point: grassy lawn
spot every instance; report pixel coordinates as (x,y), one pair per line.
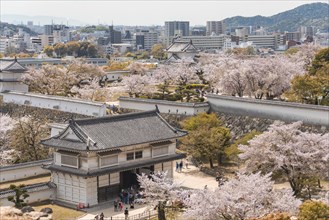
(27,181)
(59,212)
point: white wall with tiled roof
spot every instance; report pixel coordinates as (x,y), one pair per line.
(277,110)
(22,171)
(168,107)
(77,106)
(35,195)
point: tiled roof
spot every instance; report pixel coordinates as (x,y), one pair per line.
(117,168)
(181,46)
(24,165)
(10,65)
(110,133)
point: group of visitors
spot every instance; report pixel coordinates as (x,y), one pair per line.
(127,196)
(179,166)
(99,217)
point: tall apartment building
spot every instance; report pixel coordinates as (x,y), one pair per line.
(49,28)
(241,32)
(115,36)
(140,41)
(60,32)
(307,31)
(5,43)
(295,36)
(46,40)
(215,28)
(175,28)
(146,39)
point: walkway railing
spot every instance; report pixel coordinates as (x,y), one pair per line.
(141,216)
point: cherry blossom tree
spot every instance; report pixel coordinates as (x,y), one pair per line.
(247,196)
(270,77)
(185,73)
(135,84)
(305,54)
(54,80)
(258,77)
(137,68)
(284,148)
(91,91)
(180,73)
(25,139)
(159,190)
(6,124)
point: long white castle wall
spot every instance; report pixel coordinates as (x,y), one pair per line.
(34,196)
(309,114)
(77,106)
(23,170)
(168,107)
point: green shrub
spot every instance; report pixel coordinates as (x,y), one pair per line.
(313,210)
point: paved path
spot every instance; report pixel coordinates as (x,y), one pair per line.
(108,210)
(194,179)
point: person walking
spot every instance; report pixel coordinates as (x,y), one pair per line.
(181,166)
(115,205)
(126,213)
(120,206)
(101,216)
(177,166)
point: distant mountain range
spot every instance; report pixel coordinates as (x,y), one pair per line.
(15,28)
(39,20)
(315,14)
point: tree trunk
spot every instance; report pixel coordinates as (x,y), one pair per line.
(219,160)
(161,211)
(211,163)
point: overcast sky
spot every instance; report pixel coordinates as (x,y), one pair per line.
(148,12)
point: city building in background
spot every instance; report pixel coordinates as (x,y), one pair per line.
(215,27)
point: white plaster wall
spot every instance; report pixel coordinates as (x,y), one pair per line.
(21,173)
(114,178)
(318,115)
(200,109)
(52,102)
(91,191)
(114,76)
(122,157)
(163,108)
(17,86)
(103,180)
(158,167)
(70,188)
(168,166)
(147,152)
(92,162)
(83,163)
(172,148)
(186,55)
(35,196)
(55,130)
(57,159)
